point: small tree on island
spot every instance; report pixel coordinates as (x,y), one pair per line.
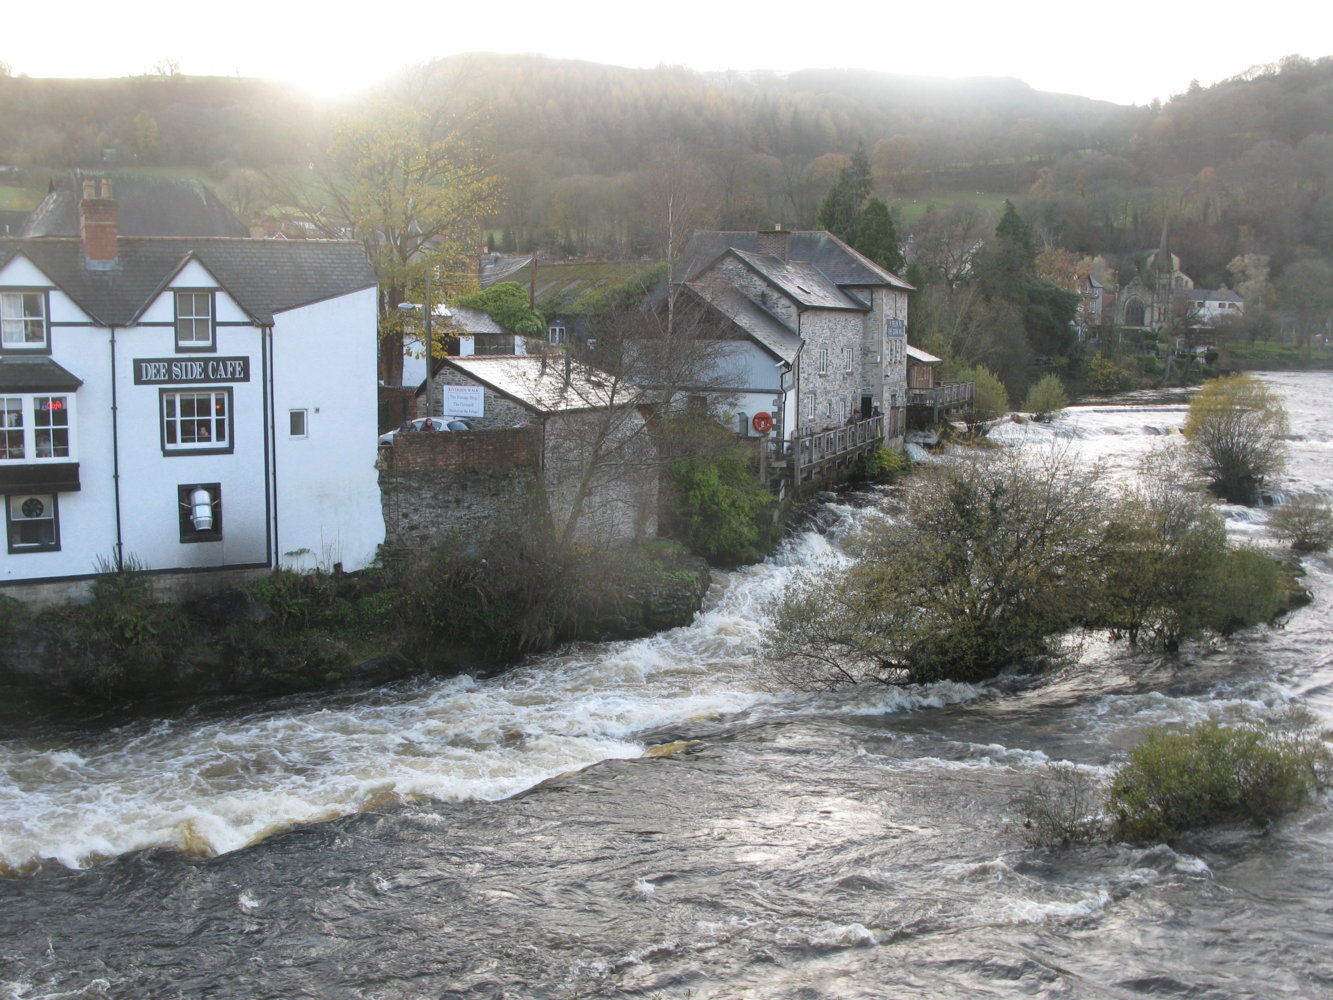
(1046,398)
(1236,427)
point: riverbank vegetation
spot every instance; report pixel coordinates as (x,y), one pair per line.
(474,605)
(1181,781)
(998,560)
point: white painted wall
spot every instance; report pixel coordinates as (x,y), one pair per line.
(328,498)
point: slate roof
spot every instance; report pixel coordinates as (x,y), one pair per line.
(471,320)
(835,259)
(12,223)
(35,375)
(1208,295)
(801,281)
(538,383)
(149,206)
(775,336)
(264,276)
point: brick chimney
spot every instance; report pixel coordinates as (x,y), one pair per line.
(775,242)
(99,225)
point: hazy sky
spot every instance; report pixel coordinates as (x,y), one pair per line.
(1129,52)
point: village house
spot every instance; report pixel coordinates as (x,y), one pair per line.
(815,342)
(199,405)
(551,439)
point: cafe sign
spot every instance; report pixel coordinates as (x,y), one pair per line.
(194,371)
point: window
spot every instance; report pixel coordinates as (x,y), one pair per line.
(33,523)
(194,321)
(296,423)
(200,511)
(828,409)
(196,421)
(847,360)
(823,361)
(34,428)
(809,406)
(555,333)
(23,320)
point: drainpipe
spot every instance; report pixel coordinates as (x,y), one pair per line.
(115,459)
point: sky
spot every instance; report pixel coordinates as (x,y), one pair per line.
(1128,52)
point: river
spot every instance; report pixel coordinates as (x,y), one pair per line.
(516,838)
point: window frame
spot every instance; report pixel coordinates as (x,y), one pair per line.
(24,347)
(25,549)
(305,423)
(194,448)
(823,359)
(30,429)
(194,345)
(848,359)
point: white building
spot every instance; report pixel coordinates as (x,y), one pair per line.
(187,404)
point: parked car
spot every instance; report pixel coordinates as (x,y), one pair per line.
(437,423)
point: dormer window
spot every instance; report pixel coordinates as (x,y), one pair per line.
(194,321)
(23,321)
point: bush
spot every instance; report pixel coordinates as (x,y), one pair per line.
(1236,427)
(1063,807)
(717,506)
(1306,524)
(989,562)
(884,466)
(1046,398)
(1104,375)
(1175,782)
(990,399)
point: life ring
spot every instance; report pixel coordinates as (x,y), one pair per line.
(762,423)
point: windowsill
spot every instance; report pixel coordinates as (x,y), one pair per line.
(172,452)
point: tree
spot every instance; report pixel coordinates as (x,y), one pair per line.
(840,212)
(1236,428)
(877,238)
(1046,398)
(506,302)
(990,399)
(1306,524)
(410,187)
(986,566)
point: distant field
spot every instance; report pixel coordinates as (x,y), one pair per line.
(913,208)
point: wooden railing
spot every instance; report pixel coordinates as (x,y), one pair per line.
(812,454)
(949,394)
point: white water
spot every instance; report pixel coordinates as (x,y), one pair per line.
(212,786)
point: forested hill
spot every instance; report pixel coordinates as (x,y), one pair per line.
(580,146)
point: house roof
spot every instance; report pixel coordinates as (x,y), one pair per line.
(35,375)
(1208,295)
(470,320)
(801,281)
(771,333)
(264,276)
(149,206)
(835,259)
(921,357)
(544,385)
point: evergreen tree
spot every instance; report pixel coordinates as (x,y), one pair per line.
(877,238)
(840,213)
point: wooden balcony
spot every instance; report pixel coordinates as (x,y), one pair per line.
(827,453)
(926,407)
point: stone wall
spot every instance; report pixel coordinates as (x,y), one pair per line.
(458,484)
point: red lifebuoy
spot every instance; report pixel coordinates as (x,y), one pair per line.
(762,423)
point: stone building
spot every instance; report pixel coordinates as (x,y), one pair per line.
(554,441)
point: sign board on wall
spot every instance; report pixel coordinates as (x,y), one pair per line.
(177,371)
(464,401)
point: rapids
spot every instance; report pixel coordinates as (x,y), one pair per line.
(511,837)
